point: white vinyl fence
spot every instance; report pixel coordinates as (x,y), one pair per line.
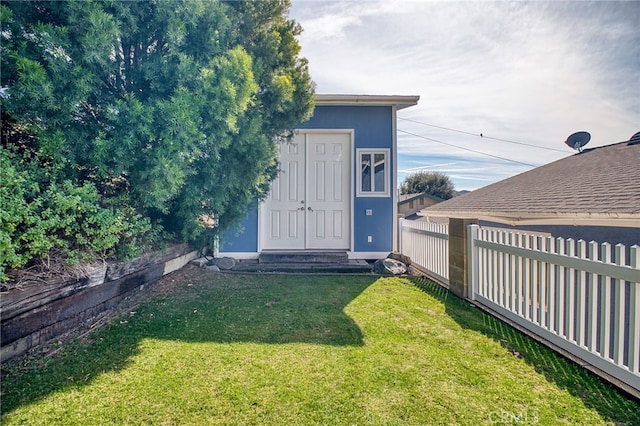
(427,244)
(583,297)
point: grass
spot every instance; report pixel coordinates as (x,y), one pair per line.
(335,350)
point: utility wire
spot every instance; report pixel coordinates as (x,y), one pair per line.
(483,136)
(466,149)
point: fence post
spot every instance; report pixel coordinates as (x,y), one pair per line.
(400,247)
(472,236)
(458,256)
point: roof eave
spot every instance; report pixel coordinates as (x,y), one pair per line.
(399,101)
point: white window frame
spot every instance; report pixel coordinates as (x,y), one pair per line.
(387,162)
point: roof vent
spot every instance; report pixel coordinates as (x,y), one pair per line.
(635,139)
(578,140)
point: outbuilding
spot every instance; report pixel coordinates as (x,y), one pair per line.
(337,187)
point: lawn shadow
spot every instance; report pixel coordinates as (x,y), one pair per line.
(262,309)
(220,308)
(597,394)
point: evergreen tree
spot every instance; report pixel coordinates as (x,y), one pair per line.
(170,107)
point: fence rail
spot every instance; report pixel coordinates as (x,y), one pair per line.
(583,297)
(427,244)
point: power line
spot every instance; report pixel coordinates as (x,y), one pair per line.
(483,136)
(467,149)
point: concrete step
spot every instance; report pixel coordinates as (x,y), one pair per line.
(348,267)
(303,257)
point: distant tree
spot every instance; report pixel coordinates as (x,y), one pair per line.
(432,183)
(170,107)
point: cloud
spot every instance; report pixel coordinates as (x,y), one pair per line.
(330,20)
(532,72)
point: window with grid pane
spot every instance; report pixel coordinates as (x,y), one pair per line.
(373,176)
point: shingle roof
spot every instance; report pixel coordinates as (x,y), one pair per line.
(598,184)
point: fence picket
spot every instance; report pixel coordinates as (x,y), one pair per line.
(482,265)
(572,294)
(551,287)
(526,283)
(561,290)
(634,315)
(494,289)
(605,304)
(534,280)
(512,277)
(592,310)
(472,235)
(620,303)
(499,272)
(519,274)
(581,292)
(543,284)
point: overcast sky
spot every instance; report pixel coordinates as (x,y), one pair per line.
(526,72)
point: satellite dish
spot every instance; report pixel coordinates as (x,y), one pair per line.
(578,140)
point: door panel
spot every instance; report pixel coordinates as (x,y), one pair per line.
(284,208)
(328,191)
(309,203)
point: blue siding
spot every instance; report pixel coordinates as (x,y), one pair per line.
(379,225)
(244,238)
(372,124)
(373,128)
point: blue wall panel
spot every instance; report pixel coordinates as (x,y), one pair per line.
(372,124)
(243,238)
(379,225)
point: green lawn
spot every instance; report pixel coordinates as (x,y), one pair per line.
(295,350)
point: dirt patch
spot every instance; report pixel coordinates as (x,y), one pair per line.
(180,280)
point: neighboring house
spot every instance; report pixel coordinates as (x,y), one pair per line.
(592,195)
(410,204)
(336,190)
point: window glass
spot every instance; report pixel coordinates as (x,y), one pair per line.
(379,182)
(366,173)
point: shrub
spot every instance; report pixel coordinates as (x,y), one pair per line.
(40,216)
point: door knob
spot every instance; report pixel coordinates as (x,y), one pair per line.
(310,209)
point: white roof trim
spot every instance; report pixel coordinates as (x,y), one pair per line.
(630,220)
(400,101)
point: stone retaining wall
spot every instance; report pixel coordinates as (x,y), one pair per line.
(39,313)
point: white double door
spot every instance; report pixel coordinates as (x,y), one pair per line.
(309,203)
